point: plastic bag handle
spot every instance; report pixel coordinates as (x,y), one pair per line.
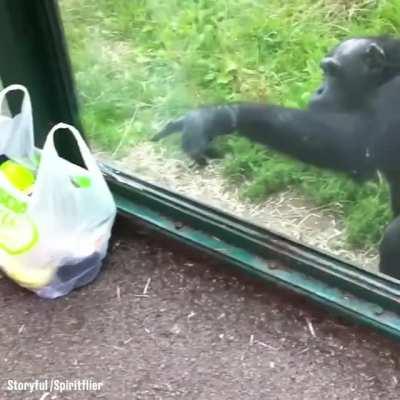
(90,162)
(17,141)
(56,202)
(26,106)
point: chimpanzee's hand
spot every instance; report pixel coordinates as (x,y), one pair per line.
(199,127)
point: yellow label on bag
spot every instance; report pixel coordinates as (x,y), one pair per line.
(28,277)
(19,176)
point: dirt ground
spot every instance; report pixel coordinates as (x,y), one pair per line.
(163,322)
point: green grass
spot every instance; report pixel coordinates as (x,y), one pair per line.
(139,63)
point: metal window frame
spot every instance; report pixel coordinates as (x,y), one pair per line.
(35,54)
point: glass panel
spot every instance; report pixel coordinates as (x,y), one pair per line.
(139,64)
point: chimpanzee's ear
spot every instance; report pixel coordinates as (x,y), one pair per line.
(375,56)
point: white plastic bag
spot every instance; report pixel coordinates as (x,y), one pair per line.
(54,240)
(16,133)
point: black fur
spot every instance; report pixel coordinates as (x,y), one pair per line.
(389,250)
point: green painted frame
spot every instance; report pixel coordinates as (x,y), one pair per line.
(40,61)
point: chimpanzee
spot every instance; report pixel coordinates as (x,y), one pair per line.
(351,125)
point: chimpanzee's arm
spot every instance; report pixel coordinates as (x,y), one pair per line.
(326,139)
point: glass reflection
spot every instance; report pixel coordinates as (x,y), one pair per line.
(139,65)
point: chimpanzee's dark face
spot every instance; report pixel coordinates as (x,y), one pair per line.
(354,62)
(351,71)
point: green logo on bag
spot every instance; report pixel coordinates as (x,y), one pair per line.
(18,234)
(9,201)
(82,181)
